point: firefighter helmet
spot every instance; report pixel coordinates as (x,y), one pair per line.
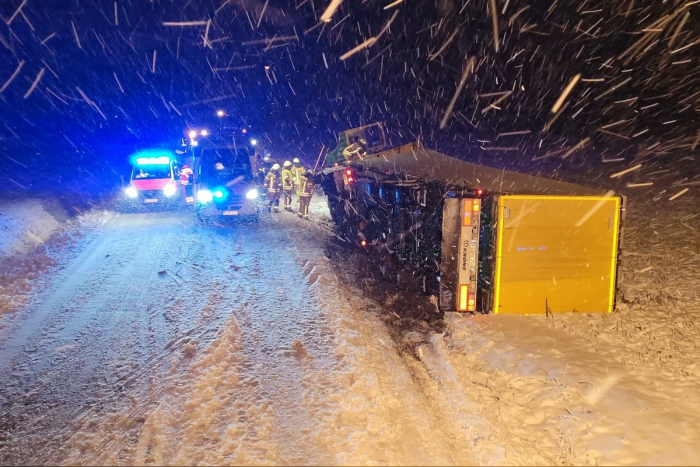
(275,167)
(296,161)
(287,164)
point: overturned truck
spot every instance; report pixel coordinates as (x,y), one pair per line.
(481,239)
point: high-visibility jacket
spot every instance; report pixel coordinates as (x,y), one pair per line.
(306,186)
(287,179)
(354,151)
(185,174)
(297,172)
(273,181)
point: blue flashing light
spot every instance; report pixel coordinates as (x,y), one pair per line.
(152,157)
(218,194)
(163,160)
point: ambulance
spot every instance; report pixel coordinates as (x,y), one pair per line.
(154,179)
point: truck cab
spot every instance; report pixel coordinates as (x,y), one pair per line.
(371,138)
(154,179)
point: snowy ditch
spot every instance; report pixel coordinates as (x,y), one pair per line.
(573,388)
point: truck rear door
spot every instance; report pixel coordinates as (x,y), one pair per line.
(556,253)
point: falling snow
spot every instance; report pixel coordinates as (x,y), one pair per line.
(132,338)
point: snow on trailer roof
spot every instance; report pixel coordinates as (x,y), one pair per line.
(417,161)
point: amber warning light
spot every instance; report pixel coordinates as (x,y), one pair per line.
(466,213)
(463,295)
(467,299)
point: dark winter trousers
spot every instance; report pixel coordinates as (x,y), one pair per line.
(288,197)
(304,202)
(273,198)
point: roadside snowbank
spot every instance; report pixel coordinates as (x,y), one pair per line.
(35,236)
(28,223)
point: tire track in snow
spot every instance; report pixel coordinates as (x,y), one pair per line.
(99,350)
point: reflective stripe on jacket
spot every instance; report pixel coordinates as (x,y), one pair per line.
(306,186)
(287,179)
(273,181)
(297,172)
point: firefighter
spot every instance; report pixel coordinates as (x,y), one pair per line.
(273,184)
(267,163)
(306,191)
(262,166)
(186,176)
(357,150)
(287,185)
(297,172)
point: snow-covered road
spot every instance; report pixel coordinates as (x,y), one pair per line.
(164,340)
(153,338)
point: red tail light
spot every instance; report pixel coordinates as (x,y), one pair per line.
(363,243)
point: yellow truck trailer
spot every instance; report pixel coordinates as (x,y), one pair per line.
(482,239)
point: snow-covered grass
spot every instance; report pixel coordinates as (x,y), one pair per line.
(562,393)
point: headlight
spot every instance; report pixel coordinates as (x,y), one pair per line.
(131,192)
(252,194)
(169,190)
(218,194)
(204,196)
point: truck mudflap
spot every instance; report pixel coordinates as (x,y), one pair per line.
(459,264)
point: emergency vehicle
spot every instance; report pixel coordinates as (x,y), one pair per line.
(154,179)
(224,183)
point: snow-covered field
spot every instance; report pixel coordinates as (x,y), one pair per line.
(154,339)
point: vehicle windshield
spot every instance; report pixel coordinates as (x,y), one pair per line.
(150,172)
(224,165)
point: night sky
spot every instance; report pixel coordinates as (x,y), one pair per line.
(87,82)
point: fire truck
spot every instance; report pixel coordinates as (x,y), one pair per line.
(481,239)
(224,169)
